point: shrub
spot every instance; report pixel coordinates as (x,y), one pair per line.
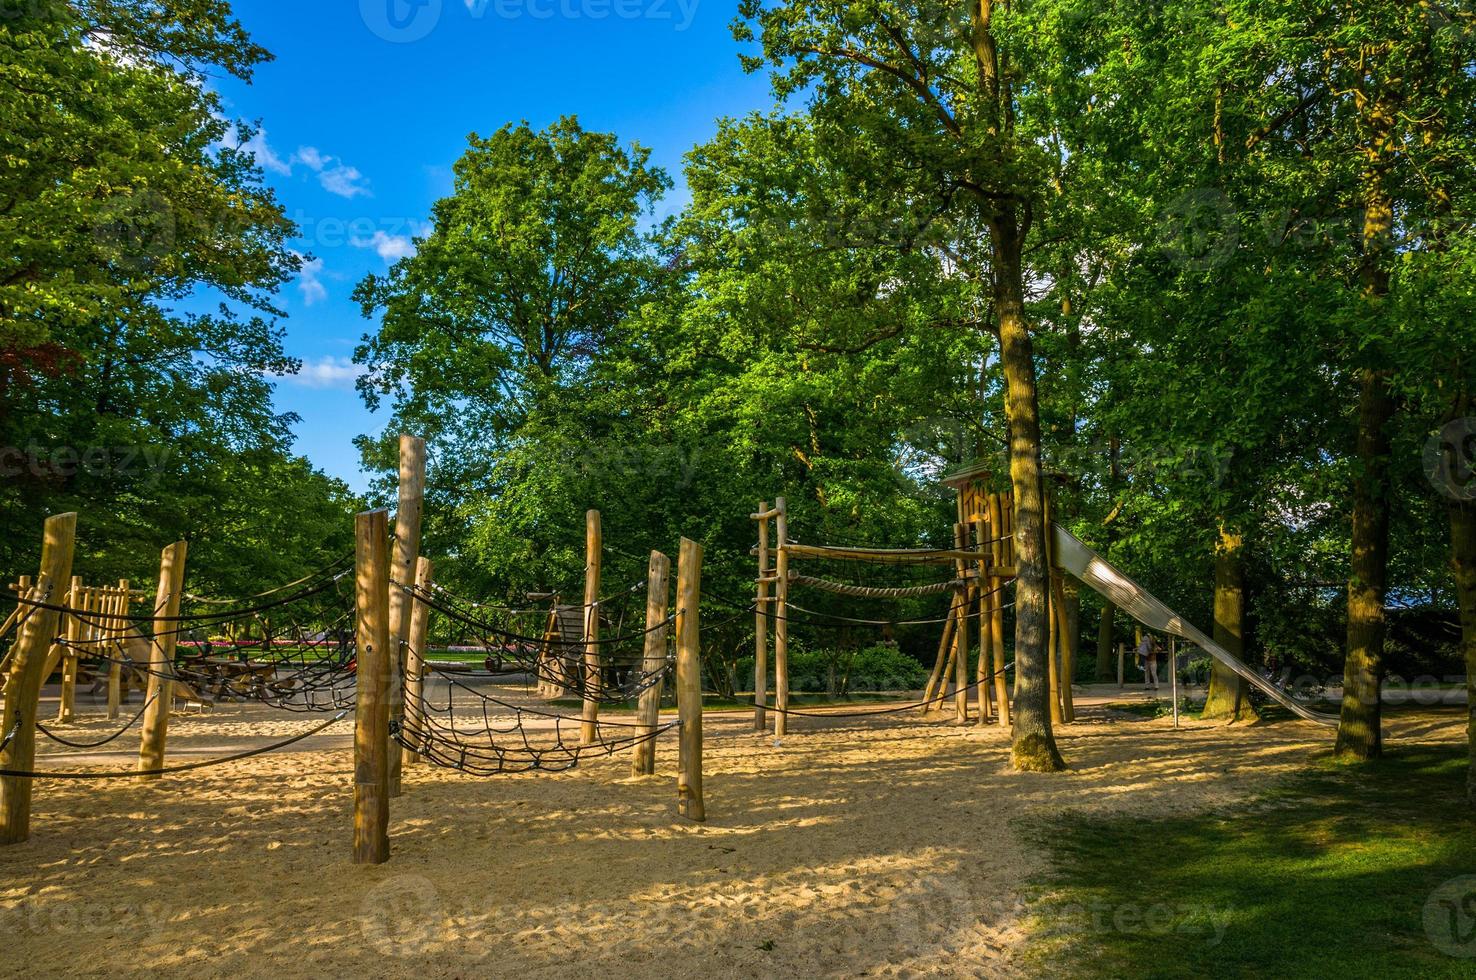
(876,668)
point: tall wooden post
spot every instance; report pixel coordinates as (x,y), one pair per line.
(996,610)
(415,658)
(23,689)
(761,626)
(658,589)
(689,680)
(161,658)
(1174,675)
(1121,661)
(594,549)
(76,633)
(1066,646)
(371,717)
(781,620)
(117,630)
(984,690)
(961,636)
(402,573)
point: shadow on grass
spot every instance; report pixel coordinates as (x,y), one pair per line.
(1328,876)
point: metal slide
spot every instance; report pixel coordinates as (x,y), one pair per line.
(1127,595)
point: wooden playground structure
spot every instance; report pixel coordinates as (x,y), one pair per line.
(90,632)
(984,564)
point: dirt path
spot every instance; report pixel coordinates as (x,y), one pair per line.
(872,847)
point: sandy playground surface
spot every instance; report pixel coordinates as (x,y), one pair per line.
(873,847)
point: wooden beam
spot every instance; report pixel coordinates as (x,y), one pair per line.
(79,599)
(781,622)
(371,716)
(115,645)
(594,550)
(658,590)
(23,691)
(415,657)
(160,697)
(689,680)
(402,573)
(961,637)
(761,623)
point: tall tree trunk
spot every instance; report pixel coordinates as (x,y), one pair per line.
(1463,563)
(1360,733)
(1034,745)
(1106,648)
(1229,693)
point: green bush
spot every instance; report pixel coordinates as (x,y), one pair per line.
(876,668)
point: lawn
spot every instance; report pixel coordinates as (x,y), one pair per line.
(1336,874)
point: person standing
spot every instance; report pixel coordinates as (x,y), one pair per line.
(1148,657)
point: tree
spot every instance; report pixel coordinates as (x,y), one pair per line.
(490,337)
(949,90)
(125,192)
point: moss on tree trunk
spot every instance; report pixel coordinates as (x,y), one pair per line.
(1228,699)
(1034,747)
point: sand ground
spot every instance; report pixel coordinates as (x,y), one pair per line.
(886,846)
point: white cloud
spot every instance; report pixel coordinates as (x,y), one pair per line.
(336,176)
(327,372)
(391,248)
(310,281)
(259,147)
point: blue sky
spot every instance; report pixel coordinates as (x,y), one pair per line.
(369,102)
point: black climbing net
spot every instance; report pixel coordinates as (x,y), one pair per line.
(452,719)
(290,648)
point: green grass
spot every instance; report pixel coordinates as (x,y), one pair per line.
(1329,876)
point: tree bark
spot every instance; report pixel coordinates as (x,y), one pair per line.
(1034,744)
(1360,734)
(1228,699)
(1463,563)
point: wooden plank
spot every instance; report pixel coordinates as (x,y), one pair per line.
(160,697)
(23,691)
(371,715)
(658,588)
